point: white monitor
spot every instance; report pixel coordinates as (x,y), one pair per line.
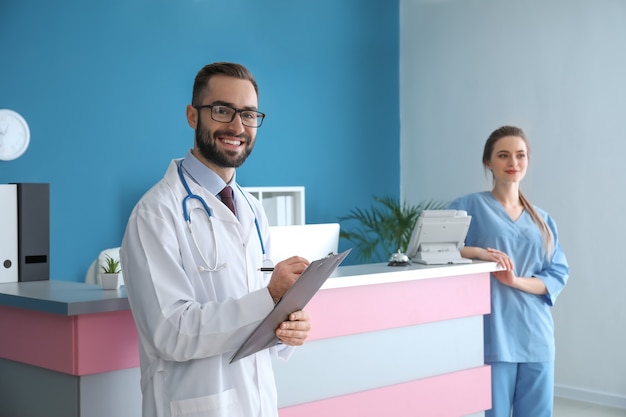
(438,237)
(311,241)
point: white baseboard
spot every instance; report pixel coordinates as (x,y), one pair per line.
(590,396)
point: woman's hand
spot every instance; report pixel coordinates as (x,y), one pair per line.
(500,257)
(505,277)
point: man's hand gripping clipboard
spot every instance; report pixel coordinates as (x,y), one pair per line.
(296,298)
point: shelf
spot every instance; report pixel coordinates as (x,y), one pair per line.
(284,206)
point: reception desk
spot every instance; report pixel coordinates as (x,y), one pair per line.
(401,341)
(67,349)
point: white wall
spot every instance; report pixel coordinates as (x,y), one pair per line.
(557,69)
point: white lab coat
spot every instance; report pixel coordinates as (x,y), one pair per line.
(190,322)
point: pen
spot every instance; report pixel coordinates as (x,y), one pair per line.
(266,269)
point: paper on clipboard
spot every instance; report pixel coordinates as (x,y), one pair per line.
(294,299)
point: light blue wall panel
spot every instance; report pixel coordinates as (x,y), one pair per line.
(556,68)
(123,394)
(343,365)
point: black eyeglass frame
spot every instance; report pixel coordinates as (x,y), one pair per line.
(259,115)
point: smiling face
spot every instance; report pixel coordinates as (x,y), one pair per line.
(509,159)
(224,146)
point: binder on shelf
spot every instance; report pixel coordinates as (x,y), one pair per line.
(8,237)
(284,206)
(33,231)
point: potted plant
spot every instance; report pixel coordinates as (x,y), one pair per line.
(111,278)
(385,228)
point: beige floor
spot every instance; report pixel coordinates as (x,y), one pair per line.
(571,408)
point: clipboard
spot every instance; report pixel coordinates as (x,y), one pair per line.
(295,298)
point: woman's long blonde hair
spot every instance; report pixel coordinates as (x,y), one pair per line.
(496,135)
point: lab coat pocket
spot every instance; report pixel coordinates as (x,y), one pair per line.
(224,404)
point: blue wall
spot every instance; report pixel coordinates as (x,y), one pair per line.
(103,85)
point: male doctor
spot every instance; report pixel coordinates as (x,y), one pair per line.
(190,266)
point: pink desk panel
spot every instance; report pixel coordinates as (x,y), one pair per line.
(451,395)
(76,345)
(352,310)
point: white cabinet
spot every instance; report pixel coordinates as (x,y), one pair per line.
(284,206)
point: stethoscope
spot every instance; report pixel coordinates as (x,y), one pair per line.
(187,216)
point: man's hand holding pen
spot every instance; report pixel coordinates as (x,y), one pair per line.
(294,331)
(284,275)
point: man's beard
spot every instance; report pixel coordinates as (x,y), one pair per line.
(206,141)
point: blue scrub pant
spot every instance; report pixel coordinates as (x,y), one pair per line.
(521,389)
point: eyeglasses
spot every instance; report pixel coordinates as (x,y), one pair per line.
(226,114)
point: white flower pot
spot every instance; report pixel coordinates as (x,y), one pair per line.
(111,281)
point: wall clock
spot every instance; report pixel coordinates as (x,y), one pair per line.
(14,135)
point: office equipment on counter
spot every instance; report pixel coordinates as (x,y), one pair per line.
(311,241)
(438,237)
(25,211)
(399,259)
(294,299)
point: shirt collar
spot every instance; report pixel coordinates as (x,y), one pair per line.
(203,175)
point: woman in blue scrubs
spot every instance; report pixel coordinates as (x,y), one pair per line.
(506,228)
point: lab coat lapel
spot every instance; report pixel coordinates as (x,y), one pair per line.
(245,215)
(247,229)
(220,211)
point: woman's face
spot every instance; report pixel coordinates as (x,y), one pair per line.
(509,159)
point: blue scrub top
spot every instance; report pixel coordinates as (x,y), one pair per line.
(520,326)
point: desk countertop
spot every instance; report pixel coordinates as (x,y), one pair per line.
(62,297)
(381,273)
(74,298)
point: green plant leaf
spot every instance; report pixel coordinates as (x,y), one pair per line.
(111,265)
(384,228)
